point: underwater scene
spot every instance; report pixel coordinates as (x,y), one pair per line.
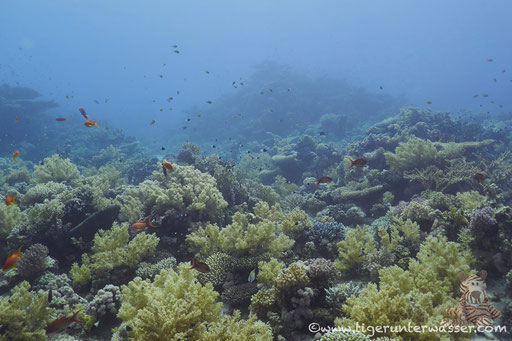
(255,170)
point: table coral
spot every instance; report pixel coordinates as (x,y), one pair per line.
(176,307)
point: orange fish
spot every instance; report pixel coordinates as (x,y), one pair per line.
(11,260)
(60,119)
(82,111)
(15,155)
(199,266)
(17,118)
(90,124)
(479,177)
(59,325)
(323,180)
(167,165)
(141,226)
(361,162)
(9,200)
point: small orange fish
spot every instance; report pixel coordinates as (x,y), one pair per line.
(90,124)
(15,155)
(167,165)
(199,266)
(17,118)
(11,260)
(9,200)
(59,325)
(141,226)
(361,162)
(323,180)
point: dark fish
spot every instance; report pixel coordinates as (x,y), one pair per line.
(163,148)
(50,296)
(82,111)
(479,177)
(199,266)
(209,102)
(164,170)
(264,150)
(358,162)
(322,133)
(176,51)
(323,180)
(380,87)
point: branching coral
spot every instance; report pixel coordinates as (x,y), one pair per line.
(418,296)
(24,314)
(34,261)
(176,307)
(413,153)
(57,170)
(185,191)
(113,248)
(358,243)
(10,216)
(267,231)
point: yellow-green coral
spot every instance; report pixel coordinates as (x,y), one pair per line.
(453,150)
(47,211)
(57,170)
(175,306)
(251,234)
(24,314)
(284,187)
(185,190)
(268,271)
(400,232)
(418,296)
(81,274)
(293,275)
(413,153)
(10,216)
(113,248)
(358,243)
(470,200)
(102,184)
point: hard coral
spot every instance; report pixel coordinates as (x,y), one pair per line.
(57,170)
(34,261)
(414,153)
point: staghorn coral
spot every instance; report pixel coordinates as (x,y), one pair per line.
(57,170)
(413,153)
(175,306)
(24,314)
(268,230)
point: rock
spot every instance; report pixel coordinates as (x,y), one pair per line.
(98,220)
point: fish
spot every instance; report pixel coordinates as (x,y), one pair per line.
(323,180)
(96,101)
(10,200)
(209,102)
(198,115)
(207,72)
(60,324)
(12,259)
(161,76)
(485,95)
(479,177)
(17,118)
(199,266)
(503,71)
(106,100)
(475,96)
(380,87)
(177,92)
(60,119)
(321,133)
(490,59)
(174,46)
(169,99)
(494,79)
(15,155)
(252,276)
(141,226)
(176,51)
(90,124)
(163,148)
(153,122)
(428,102)
(361,162)
(167,165)
(82,111)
